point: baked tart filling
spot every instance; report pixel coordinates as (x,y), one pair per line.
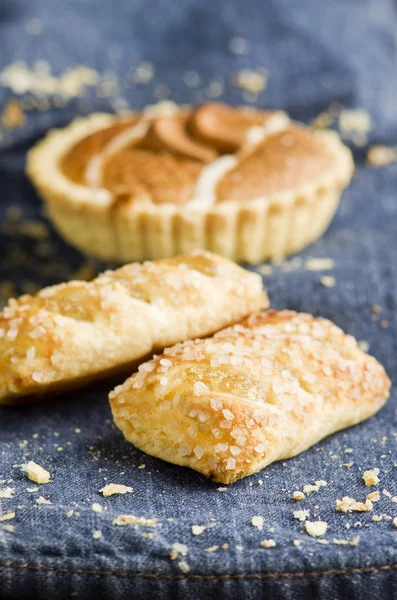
(246,183)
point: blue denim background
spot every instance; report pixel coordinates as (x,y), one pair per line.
(316,52)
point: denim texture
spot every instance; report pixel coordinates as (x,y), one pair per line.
(316,52)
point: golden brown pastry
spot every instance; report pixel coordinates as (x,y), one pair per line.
(74,332)
(261,391)
(248,184)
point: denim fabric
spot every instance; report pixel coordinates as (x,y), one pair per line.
(316,52)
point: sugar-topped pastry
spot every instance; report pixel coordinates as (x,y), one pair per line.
(248,184)
(263,390)
(75,332)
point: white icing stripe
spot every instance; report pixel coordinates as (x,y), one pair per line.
(258,133)
(204,195)
(93,171)
(205,191)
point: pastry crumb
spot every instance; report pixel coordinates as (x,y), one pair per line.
(198,529)
(316,528)
(253,82)
(211,549)
(298,495)
(324,542)
(268,543)
(178,549)
(373,496)
(355,121)
(6,493)
(41,500)
(348,465)
(36,473)
(319,264)
(97,534)
(184,567)
(395,521)
(115,488)
(96,507)
(348,504)
(70,513)
(257,521)
(370,477)
(297,542)
(301,515)
(8,516)
(328,281)
(122,520)
(380,155)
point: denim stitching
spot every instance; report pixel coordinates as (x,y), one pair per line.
(352,571)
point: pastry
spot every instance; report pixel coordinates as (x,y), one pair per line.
(263,390)
(71,333)
(247,184)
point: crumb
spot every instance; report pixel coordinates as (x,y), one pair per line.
(41,500)
(395,521)
(198,529)
(122,520)
(316,528)
(348,465)
(377,517)
(144,73)
(363,345)
(373,496)
(240,548)
(260,482)
(211,549)
(384,324)
(348,450)
(328,281)
(257,522)
(13,115)
(142,466)
(319,264)
(268,543)
(222,489)
(184,567)
(297,542)
(8,516)
(371,477)
(309,488)
(355,121)
(178,549)
(96,507)
(298,495)
(36,473)
(380,155)
(253,82)
(115,488)
(70,513)
(386,493)
(348,504)
(77,430)
(377,309)
(225,546)
(97,534)
(324,542)
(301,515)
(7,492)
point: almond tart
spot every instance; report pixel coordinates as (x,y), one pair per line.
(247,184)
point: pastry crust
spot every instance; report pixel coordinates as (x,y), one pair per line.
(261,391)
(74,332)
(269,225)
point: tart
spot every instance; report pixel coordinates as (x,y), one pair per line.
(247,184)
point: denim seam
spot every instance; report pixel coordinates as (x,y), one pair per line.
(237,576)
